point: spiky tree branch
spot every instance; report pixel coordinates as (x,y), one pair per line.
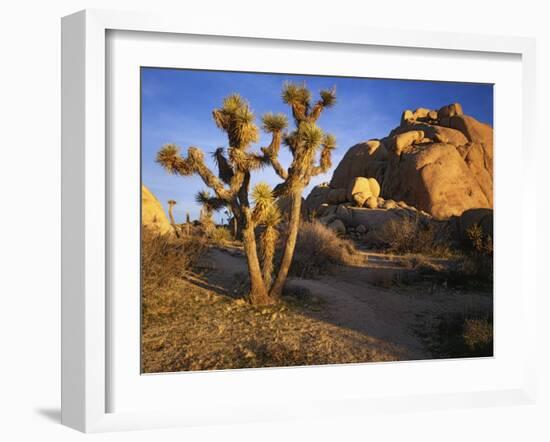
(328,99)
(211,203)
(170,158)
(225,171)
(325,159)
(274,124)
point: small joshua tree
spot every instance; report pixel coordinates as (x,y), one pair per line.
(231,185)
(188,223)
(209,205)
(171,204)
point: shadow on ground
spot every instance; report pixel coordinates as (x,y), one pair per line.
(50,414)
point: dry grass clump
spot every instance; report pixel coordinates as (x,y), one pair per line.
(220,236)
(474,267)
(478,334)
(165,259)
(319,248)
(416,235)
(197,329)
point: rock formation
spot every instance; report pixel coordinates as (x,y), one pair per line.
(362,189)
(152,213)
(437,161)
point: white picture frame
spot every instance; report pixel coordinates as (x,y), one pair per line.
(85,310)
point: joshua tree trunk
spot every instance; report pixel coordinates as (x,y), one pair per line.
(171,204)
(258,291)
(293,226)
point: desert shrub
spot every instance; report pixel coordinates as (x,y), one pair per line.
(416,235)
(475,265)
(467,334)
(478,335)
(166,257)
(477,262)
(219,235)
(319,248)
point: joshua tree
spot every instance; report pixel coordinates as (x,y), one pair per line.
(266,214)
(171,204)
(231,186)
(188,223)
(209,205)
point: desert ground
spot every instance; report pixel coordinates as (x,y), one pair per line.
(383,307)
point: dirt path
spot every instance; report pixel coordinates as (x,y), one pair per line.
(351,299)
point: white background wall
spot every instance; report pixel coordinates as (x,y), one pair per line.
(30,216)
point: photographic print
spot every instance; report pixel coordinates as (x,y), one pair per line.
(299,220)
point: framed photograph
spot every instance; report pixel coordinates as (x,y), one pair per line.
(277,222)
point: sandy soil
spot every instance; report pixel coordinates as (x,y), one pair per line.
(353,298)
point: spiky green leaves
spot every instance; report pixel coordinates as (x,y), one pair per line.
(329,142)
(328,97)
(310,135)
(225,170)
(244,161)
(294,93)
(265,211)
(237,119)
(272,216)
(170,159)
(233,103)
(209,202)
(274,122)
(263,199)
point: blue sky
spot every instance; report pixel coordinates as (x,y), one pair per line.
(177,108)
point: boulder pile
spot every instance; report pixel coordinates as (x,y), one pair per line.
(359,217)
(435,166)
(438,161)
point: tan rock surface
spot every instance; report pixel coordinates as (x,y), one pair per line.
(152,212)
(371,203)
(443,166)
(435,179)
(358,162)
